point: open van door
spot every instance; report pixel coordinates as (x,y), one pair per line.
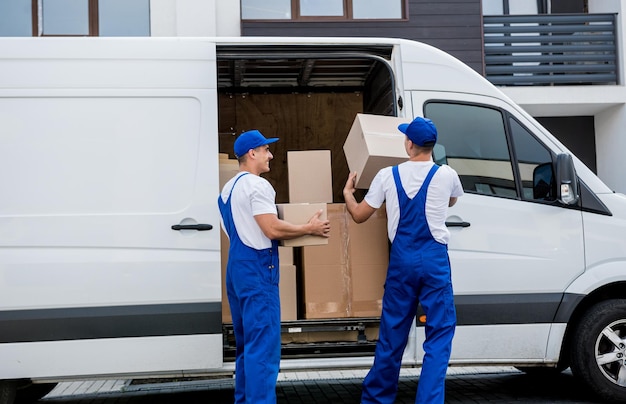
(109,226)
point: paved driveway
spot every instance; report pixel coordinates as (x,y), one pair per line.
(465,385)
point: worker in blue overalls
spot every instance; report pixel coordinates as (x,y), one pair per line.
(249,218)
(417,194)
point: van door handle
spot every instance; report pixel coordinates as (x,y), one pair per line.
(457,224)
(199,227)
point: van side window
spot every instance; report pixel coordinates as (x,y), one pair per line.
(534,163)
(472,140)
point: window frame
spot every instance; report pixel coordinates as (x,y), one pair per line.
(93,10)
(513,158)
(93,18)
(347,15)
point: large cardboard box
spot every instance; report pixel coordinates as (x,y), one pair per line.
(228,168)
(346,277)
(325,277)
(285,255)
(374,142)
(310,176)
(288,293)
(368,250)
(224,245)
(301,213)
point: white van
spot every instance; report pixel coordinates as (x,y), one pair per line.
(109,227)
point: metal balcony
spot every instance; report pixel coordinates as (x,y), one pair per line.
(550,49)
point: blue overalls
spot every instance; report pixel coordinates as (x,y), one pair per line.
(419,272)
(252,287)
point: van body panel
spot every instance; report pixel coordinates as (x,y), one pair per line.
(103,357)
(91,252)
(538,249)
(509,343)
(439,71)
(107,63)
(604,247)
(604,235)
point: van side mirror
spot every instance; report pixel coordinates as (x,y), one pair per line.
(543,182)
(566,180)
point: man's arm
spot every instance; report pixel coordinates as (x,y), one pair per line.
(360,211)
(278,229)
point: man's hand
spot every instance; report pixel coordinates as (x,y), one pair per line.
(349,188)
(360,212)
(319,227)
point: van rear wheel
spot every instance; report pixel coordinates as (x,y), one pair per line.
(598,350)
(7,391)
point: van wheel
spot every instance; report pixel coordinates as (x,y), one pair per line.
(7,391)
(598,350)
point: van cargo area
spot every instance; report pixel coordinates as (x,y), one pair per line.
(308,96)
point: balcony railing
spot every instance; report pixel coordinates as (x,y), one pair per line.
(550,49)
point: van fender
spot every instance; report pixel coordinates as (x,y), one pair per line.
(598,276)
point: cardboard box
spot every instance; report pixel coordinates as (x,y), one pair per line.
(288,293)
(310,176)
(228,168)
(285,255)
(224,245)
(374,142)
(325,274)
(368,250)
(346,277)
(301,213)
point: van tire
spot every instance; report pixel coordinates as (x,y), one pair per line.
(7,391)
(589,341)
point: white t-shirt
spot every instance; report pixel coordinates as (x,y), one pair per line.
(444,184)
(253,195)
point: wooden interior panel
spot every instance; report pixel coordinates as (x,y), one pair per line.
(312,121)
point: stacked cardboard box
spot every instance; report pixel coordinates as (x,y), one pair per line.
(346,277)
(301,213)
(310,176)
(288,287)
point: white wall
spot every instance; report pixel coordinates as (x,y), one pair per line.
(195,18)
(611,147)
(610,124)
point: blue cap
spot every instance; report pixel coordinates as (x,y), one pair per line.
(251,140)
(421,131)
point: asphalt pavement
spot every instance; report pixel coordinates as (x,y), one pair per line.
(463,385)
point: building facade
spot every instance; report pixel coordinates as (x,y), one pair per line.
(585,110)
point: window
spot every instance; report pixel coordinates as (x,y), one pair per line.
(124,18)
(74,18)
(15,18)
(472,140)
(322,9)
(534,163)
